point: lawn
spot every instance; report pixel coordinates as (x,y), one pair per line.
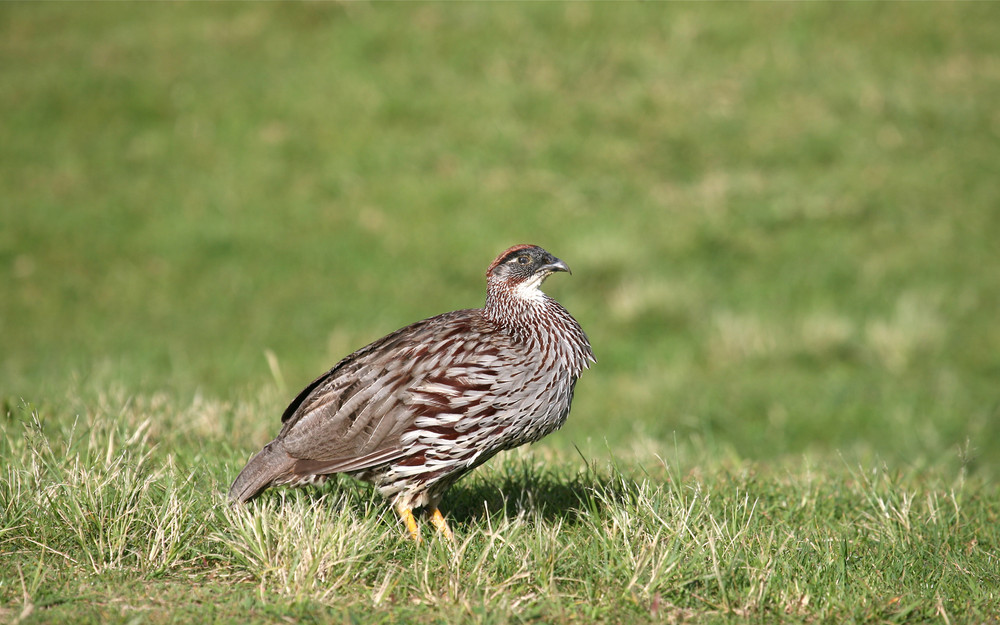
(783,224)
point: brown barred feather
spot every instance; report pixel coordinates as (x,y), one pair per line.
(416,410)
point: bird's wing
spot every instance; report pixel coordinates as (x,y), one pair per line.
(355,415)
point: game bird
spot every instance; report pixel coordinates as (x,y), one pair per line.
(416,410)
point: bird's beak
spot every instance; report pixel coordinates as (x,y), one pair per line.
(556,265)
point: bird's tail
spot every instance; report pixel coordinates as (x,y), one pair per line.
(263,470)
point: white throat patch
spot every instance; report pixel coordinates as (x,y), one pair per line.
(530,290)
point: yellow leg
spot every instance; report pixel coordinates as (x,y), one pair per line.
(411,523)
(438,520)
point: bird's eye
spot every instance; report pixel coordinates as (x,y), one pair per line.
(523,259)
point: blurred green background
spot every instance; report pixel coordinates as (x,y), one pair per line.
(783,219)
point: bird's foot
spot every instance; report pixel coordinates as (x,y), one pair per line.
(437,519)
(406,514)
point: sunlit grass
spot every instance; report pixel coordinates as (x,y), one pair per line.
(95,499)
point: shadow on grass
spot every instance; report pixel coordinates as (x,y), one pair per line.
(535,493)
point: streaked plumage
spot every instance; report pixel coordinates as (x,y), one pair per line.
(416,410)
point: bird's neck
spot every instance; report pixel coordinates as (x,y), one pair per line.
(516,306)
(538,321)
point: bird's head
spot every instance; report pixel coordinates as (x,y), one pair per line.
(522,269)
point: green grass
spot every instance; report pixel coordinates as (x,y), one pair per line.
(103,522)
(782,222)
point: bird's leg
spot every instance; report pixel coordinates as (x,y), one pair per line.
(406,513)
(437,519)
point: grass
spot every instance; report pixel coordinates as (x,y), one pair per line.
(782,224)
(103,523)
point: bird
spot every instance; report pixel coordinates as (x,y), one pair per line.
(416,410)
